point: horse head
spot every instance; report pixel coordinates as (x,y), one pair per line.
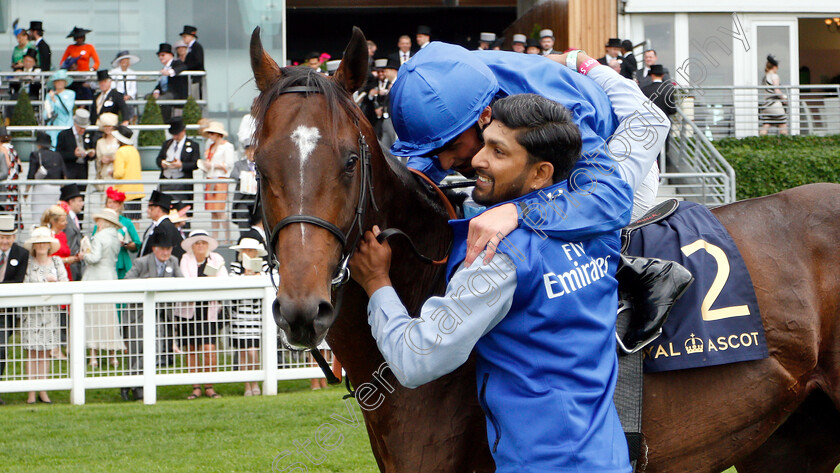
(314,166)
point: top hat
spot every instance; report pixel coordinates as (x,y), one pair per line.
(70,191)
(7,225)
(123,55)
(36,26)
(3,130)
(164,48)
(160,239)
(102,74)
(77,32)
(657,69)
(161,200)
(31,53)
(81,117)
(190,30)
(613,43)
(546,34)
(770,58)
(487,37)
(176,125)
(380,63)
(532,43)
(627,45)
(520,38)
(332,66)
(392,63)
(423,29)
(42,139)
(312,54)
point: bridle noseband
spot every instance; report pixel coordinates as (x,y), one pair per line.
(365,189)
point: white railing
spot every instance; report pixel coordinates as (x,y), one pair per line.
(148,324)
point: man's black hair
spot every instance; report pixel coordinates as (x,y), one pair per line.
(544,128)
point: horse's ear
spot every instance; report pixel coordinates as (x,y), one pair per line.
(264,67)
(353,71)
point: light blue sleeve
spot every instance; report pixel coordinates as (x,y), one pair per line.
(420,350)
(428,166)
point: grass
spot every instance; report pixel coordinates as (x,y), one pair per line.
(231,434)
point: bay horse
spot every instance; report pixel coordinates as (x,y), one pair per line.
(324,178)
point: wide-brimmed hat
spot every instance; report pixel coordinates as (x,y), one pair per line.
(70,191)
(165,48)
(42,139)
(180,44)
(176,217)
(216,127)
(109,215)
(42,235)
(77,32)
(199,235)
(161,200)
(36,26)
(114,194)
(123,134)
(108,119)
(191,30)
(122,55)
(520,38)
(7,225)
(102,74)
(60,74)
(250,244)
(81,117)
(613,43)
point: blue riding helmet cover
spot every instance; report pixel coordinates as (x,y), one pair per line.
(439,93)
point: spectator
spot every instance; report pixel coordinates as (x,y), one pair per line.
(109,100)
(40,327)
(383,125)
(44,164)
(13,262)
(177,159)
(313,60)
(772,108)
(246,327)
(80,53)
(245,173)
(171,85)
(77,146)
(101,327)
(497,45)
(485,40)
(404,50)
(75,200)
(194,59)
(201,321)
(257,231)
(547,43)
(519,41)
(106,148)
(532,46)
(59,103)
(124,79)
(158,210)
(628,64)
(157,263)
(55,218)
(217,164)
(661,93)
(423,36)
(371,47)
(114,200)
(181,50)
(178,217)
(23,45)
(36,31)
(247,126)
(9,190)
(613,52)
(127,167)
(33,82)
(643,75)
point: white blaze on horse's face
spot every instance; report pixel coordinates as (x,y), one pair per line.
(305,138)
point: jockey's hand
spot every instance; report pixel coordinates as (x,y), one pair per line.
(371,262)
(488,229)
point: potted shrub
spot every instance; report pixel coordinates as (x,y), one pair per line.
(192,114)
(150,141)
(23,115)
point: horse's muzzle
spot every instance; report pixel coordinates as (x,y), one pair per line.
(304,321)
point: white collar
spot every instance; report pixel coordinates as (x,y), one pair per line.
(158,221)
(169,64)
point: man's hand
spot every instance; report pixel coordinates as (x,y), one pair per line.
(485,229)
(78,152)
(371,262)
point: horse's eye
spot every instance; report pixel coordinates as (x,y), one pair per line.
(350,166)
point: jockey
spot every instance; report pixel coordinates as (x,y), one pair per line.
(540,315)
(441,100)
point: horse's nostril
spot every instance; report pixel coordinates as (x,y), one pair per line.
(325,309)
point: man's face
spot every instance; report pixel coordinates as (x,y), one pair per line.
(500,166)
(532,50)
(547,43)
(614,52)
(180,135)
(404,44)
(483,45)
(6,242)
(154,212)
(380,74)
(104,85)
(518,48)
(77,204)
(650,58)
(421,39)
(162,253)
(165,57)
(313,62)
(187,38)
(28,62)
(391,74)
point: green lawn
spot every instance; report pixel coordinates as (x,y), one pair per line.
(231,434)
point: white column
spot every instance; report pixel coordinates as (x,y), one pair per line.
(76,348)
(269,344)
(149,349)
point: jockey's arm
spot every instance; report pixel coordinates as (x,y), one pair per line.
(420,350)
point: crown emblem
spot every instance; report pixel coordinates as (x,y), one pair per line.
(693,345)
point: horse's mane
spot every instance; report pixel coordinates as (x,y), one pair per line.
(338,100)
